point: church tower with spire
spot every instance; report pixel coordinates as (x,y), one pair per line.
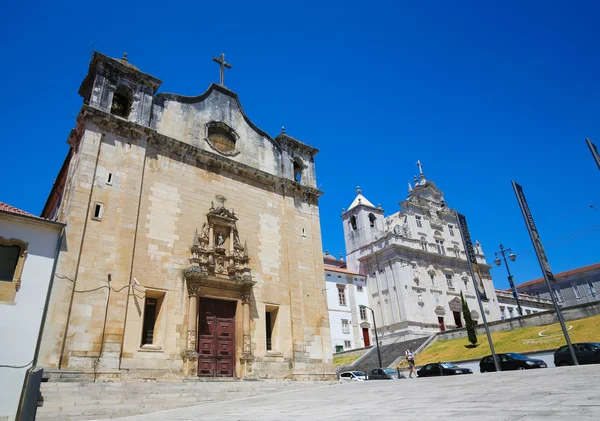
(363,223)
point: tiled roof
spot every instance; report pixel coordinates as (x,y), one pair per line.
(341,270)
(8,208)
(558,276)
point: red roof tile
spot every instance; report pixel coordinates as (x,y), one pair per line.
(8,208)
(562,274)
(341,270)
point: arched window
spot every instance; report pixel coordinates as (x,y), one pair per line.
(353,222)
(121,103)
(298,167)
(423,243)
(372,220)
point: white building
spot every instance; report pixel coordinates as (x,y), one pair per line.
(415,263)
(529,304)
(347,298)
(28,250)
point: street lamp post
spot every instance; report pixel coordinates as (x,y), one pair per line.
(498,262)
(376,337)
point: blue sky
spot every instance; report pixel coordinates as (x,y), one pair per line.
(480,93)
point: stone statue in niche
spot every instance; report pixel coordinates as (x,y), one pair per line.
(220,240)
(205,231)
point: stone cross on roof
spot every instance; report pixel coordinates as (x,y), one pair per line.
(420,166)
(223,65)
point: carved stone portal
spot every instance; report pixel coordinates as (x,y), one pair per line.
(218,260)
(218,257)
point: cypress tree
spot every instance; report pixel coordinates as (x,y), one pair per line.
(469,323)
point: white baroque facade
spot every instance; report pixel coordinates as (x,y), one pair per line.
(347,300)
(415,263)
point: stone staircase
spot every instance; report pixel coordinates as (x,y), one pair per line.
(94,401)
(389,354)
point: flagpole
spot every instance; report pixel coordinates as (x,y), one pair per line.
(470,253)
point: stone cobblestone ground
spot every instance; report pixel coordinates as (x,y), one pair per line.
(544,394)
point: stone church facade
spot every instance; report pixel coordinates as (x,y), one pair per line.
(415,264)
(193,243)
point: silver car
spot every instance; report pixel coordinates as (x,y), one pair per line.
(353,376)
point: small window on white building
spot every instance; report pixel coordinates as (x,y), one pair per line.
(451,230)
(347,344)
(345,326)
(342,295)
(363,313)
(528,311)
(558,295)
(576,291)
(359,288)
(440,246)
(419,223)
(423,244)
(449,281)
(432,276)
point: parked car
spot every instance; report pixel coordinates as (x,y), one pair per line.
(353,376)
(442,369)
(510,361)
(385,374)
(586,353)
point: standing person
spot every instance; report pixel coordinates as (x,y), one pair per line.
(410,357)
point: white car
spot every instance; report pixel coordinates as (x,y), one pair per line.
(353,376)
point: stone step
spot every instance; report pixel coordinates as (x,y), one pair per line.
(85,401)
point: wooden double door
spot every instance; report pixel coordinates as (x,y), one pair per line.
(216,338)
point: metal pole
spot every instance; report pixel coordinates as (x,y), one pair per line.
(481,309)
(510,281)
(376,337)
(529,222)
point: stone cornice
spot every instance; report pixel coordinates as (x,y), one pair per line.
(135,131)
(295,144)
(386,248)
(111,64)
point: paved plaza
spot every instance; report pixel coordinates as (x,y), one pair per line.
(566,393)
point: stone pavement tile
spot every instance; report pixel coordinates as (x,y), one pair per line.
(544,395)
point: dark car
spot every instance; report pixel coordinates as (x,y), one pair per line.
(442,369)
(586,353)
(385,374)
(510,361)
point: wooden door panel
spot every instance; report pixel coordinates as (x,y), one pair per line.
(206,347)
(224,349)
(206,367)
(224,367)
(225,328)
(216,339)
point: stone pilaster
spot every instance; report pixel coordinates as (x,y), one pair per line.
(247,357)
(191,354)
